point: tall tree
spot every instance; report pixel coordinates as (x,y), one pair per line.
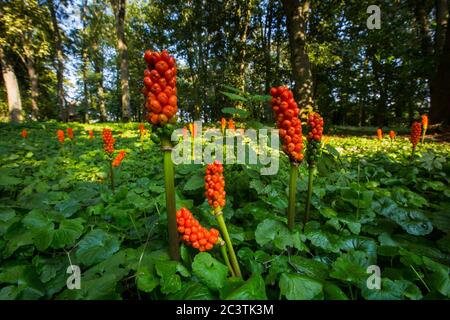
(98,23)
(297,13)
(12,88)
(119,9)
(59,56)
(26,34)
(440,96)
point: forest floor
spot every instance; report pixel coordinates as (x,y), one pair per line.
(371,205)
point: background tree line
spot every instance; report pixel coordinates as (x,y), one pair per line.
(82,59)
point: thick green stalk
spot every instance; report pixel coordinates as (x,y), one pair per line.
(226,237)
(174,248)
(223,249)
(292,192)
(310,189)
(111,175)
(412,154)
(423,134)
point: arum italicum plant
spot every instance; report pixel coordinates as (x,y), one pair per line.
(162,105)
(315,124)
(108,146)
(290,131)
(215,193)
(416,129)
(424,126)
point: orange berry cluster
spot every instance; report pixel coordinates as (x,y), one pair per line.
(24,133)
(108,141)
(118,158)
(416,130)
(215,184)
(425,121)
(231,125)
(315,124)
(392,134)
(193,234)
(70,133)
(379,134)
(91,134)
(160,87)
(60,134)
(289,125)
(223,125)
(141,128)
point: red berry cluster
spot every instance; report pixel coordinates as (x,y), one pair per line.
(215,184)
(286,115)
(60,136)
(91,134)
(70,133)
(315,123)
(108,141)
(160,87)
(193,234)
(24,133)
(392,134)
(118,160)
(416,130)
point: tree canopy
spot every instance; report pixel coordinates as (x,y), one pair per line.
(82,59)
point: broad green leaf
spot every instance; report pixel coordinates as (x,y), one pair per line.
(192,291)
(351,267)
(298,287)
(210,271)
(146,281)
(68,207)
(68,232)
(333,292)
(97,245)
(393,290)
(275,232)
(253,289)
(195,182)
(6,214)
(170,281)
(309,267)
(440,279)
(412,221)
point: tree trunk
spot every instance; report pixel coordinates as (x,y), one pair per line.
(60,62)
(101,97)
(98,68)
(244,29)
(267,35)
(32,74)
(440,96)
(297,16)
(119,7)
(441,25)
(12,89)
(85,64)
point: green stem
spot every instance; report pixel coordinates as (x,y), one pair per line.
(174,248)
(310,189)
(423,135)
(412,153)
(292,192)
(226,236)
(111,175)
(223,249)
